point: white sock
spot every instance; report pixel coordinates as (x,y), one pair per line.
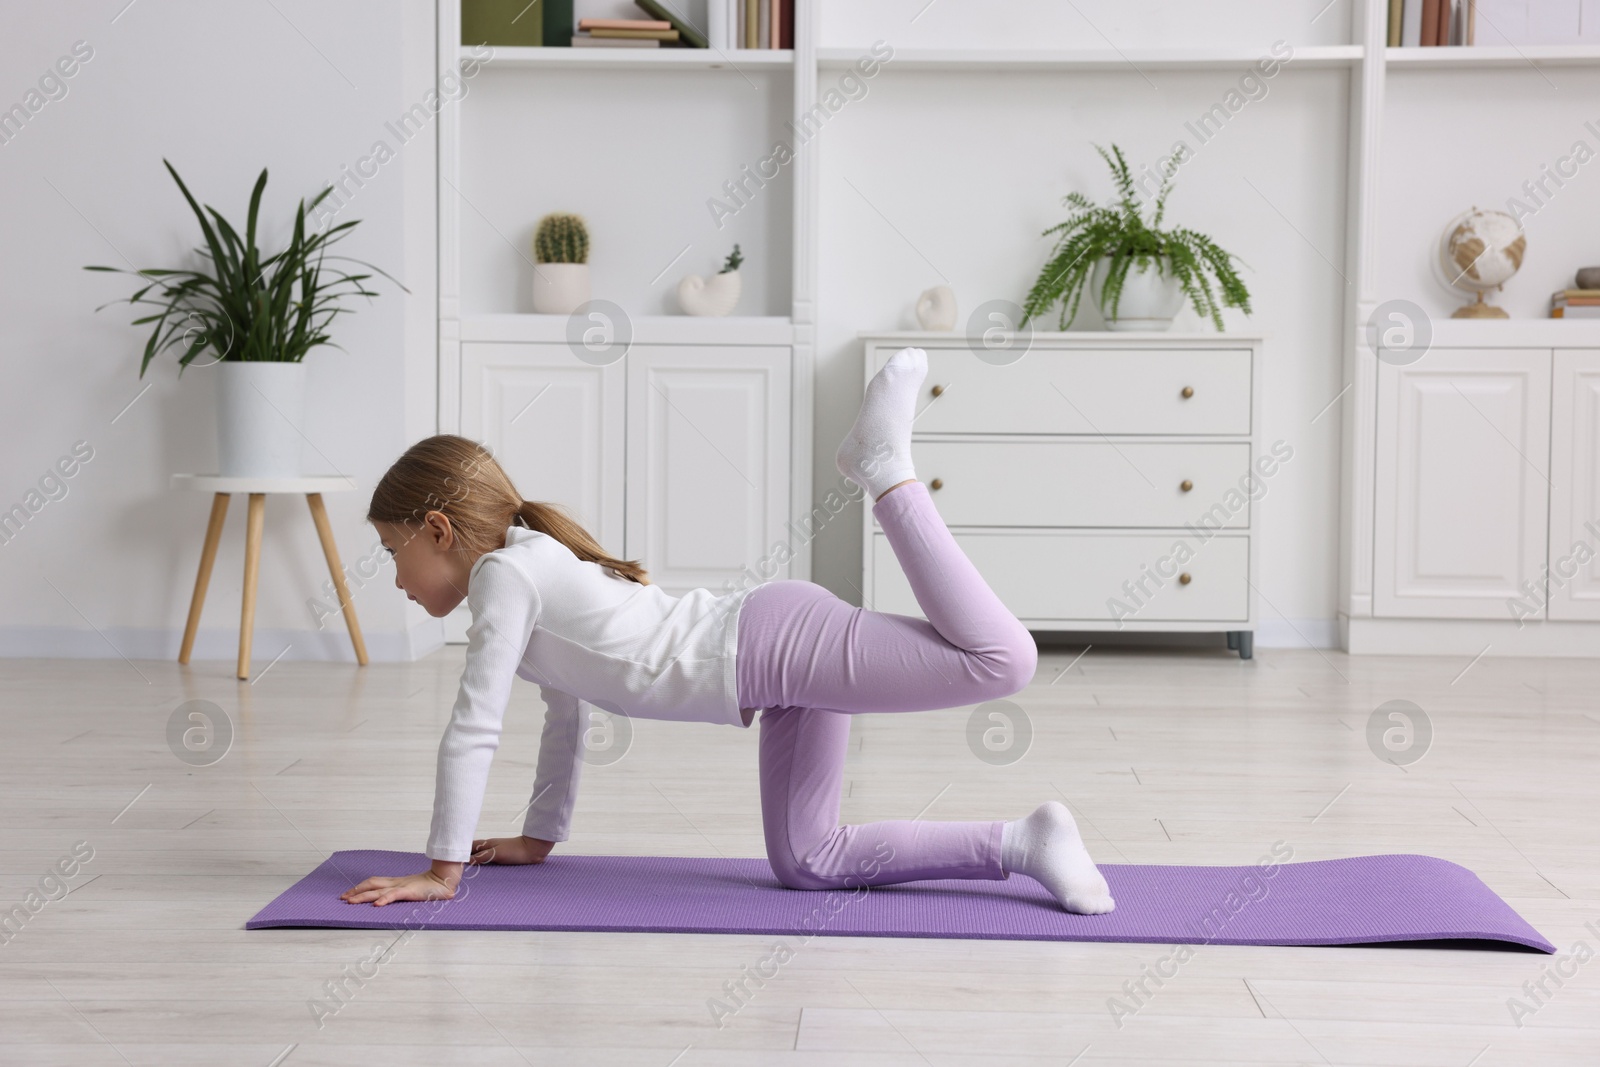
(1047,847)
(876,453)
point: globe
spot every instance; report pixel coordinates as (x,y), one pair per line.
(1479,252)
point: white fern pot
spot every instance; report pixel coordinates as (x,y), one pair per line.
(560,288)
(1150,297)
(713,296)
(260,418)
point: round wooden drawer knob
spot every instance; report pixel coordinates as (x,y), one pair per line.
(1184,579)
(1186,485)
(938,390)
(1188,391)
(937,483)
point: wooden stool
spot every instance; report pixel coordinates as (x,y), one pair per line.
(257,489)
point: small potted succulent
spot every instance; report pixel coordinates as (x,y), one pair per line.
(251,319)
(561,274)
(1138,274)
(716,295)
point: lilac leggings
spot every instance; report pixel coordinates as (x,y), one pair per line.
(810,660)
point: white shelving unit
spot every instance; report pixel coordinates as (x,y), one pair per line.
(623,126)
(693,449)
(1430,553)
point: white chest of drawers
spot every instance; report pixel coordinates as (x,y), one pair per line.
(1099,482)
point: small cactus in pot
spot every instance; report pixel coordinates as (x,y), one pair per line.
(561,273)
(716,295)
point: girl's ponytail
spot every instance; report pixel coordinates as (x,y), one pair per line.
(551,520)
(461,479)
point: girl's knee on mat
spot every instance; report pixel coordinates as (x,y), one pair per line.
(803,870)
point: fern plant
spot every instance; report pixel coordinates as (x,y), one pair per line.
(1118,233)
(245,306)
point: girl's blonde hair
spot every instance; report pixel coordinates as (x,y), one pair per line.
(460,478)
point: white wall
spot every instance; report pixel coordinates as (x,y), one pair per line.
(221,90)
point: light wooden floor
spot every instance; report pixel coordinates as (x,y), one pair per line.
(1167,756)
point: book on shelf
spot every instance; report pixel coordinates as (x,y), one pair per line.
(624,24)
(636,35)
(583,39)
(1411,24)
(557,23)
(502,23)
(1576,311)
(688,35)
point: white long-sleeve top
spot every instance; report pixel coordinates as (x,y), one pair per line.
(587,636)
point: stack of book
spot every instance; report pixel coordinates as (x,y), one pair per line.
(664,26)
(624,33)
(1575,304)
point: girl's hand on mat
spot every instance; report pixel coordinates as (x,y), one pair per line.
(510,850)
(379,890)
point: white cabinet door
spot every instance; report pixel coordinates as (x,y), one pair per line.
(1463,447)
(1574,582)
(555,424)
(708,474)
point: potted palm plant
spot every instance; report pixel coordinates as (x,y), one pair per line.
(1138,274)
(252,319)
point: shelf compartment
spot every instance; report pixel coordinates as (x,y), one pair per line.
(639,58)
(1091,59)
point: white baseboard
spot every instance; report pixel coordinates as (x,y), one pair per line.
(330,644)
(1298,633)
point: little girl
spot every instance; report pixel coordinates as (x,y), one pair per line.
(550,606)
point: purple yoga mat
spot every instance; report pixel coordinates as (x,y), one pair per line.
(1360,900)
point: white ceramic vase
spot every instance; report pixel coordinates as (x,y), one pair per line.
(713,296)
(1149,300)
(936,308)
(260,416)
(560,288)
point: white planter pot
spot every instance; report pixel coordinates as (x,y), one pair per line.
(1149,298)
(714,296)
(560,288)
(260,417)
